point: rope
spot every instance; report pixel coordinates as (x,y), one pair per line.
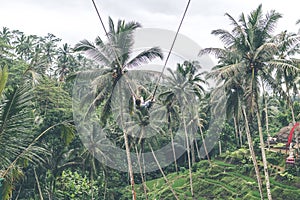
(99,16)
(174,40)
(172,46)
(114,50)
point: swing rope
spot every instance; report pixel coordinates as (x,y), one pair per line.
(114,50)
(169,53)
(173,43)
(99,16)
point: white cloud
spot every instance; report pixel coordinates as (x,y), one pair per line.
(73,20)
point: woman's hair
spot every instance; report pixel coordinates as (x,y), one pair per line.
(138,102)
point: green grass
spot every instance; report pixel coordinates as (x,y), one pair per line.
(220,181)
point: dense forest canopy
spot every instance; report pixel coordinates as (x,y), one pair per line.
(64,110)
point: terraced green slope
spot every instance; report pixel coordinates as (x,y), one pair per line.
(219,181)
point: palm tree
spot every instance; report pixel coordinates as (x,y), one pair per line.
(66,62)
(234,104)
(115,57)
(288,45)
(5,47)
(251,39)
(49,49)
(185,85)
(252,152)
(16,136)
(6,35)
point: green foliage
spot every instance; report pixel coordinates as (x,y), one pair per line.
(74,185)
(3,78)
(37,97)
(16,135)
(222,180)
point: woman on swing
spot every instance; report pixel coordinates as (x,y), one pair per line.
(139,99)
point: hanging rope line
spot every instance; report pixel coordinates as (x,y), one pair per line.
(106,33)
(113,48)
(170,51)
(99,16)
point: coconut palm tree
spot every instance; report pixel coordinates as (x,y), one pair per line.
(65,62)
(185,85)
(6,35)
(115,56)
(251,39)
(16,136)
(288,45)
(235,100)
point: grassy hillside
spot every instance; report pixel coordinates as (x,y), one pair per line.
(230,179)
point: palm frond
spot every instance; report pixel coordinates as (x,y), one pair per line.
(255,16)
(217,52)
(266,51)
(227,71)
(225,36)
(270,22)
(16,127)
(84,45)
(112,26)
(281,64)
(3,78)
(145,56)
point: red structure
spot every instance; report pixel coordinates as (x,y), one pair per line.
(290,138)
(291,158)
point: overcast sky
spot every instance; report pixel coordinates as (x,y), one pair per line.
(74,20)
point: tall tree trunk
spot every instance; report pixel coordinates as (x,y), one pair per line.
(172,143)
(204,144)
(252,153)
(236,131)
(266,113)
(138,154)
(220,147)
(188,155)
(193,151)
(38,184)
(290,104)
(129,165)
(127,148)
(162,172)
(240,135)
(263,154)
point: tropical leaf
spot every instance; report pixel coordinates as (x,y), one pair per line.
(3,78)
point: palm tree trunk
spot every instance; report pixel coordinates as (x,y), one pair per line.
(172,143)
(162,172)
(188,155)
(252,153)
(267,117)
(138,154)
(105,184)
(236,131)
(204,144)
(263,154)
(193,152)
(127,149)
(293,114)
(38,184)
(220,147)
(240,135)
(290,104)
(129,165)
